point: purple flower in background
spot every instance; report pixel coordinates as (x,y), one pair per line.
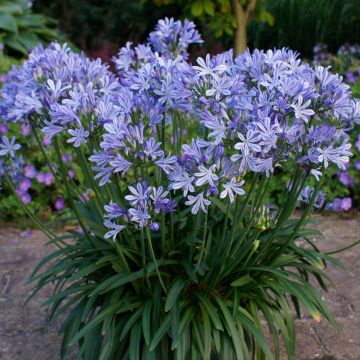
(4,77)
(30,171)
(339,204)
(46,140)
(26,233)
(336,205)
(3,129)
(45,178)
(171,38)
(25,130)
(59,203)
(346,204)
(357,165)
(350,77)
(25,197)
(66,157)
(346,179)
(25,185)
(71,173)
(40,177)
(85,197)
(49,179)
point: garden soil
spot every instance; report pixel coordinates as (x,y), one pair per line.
(25,334)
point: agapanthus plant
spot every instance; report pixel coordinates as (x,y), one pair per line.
(179,253)
(342,185)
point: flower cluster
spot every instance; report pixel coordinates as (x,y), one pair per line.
(59,90)
(145,202)
(172,37)
(338,204)
(261,110)
(346,61)
(256,112)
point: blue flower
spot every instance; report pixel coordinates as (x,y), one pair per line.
(120,164)
(197,202)
(139,195)
(206,175)
(206,68)
(116,228)
(139,216)
(230,188)
(183,181)
(302,110)
(79,136)
(154,226)
(114,211)
(248,143)
(8,147)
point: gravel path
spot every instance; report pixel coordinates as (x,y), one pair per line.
(25,335)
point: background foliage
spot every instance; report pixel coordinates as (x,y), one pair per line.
(292,23)
(21,30)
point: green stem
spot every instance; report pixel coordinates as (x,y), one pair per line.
(92,183)
(163,233)
(154,259)
(69,192)
(193,238)
(32,216)
(243,208)
(226,221)
(257,203)
(46,158)
(301,221)
(163,133)
(171,231)
(202,244)
(343,248)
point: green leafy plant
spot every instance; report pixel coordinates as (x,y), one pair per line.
(21,30)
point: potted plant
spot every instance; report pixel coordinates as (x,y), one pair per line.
(179,253)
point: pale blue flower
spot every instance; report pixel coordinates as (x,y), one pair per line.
(116,228)
(232,187)
(197,202)
(8,147)
(206,175)
(79,136)
(302,110)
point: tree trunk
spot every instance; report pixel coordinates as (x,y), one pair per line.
(242,15)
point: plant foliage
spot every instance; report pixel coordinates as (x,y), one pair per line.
(21,30)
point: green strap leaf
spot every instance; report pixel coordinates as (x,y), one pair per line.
(8,23)
(174,292)
(164,327)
